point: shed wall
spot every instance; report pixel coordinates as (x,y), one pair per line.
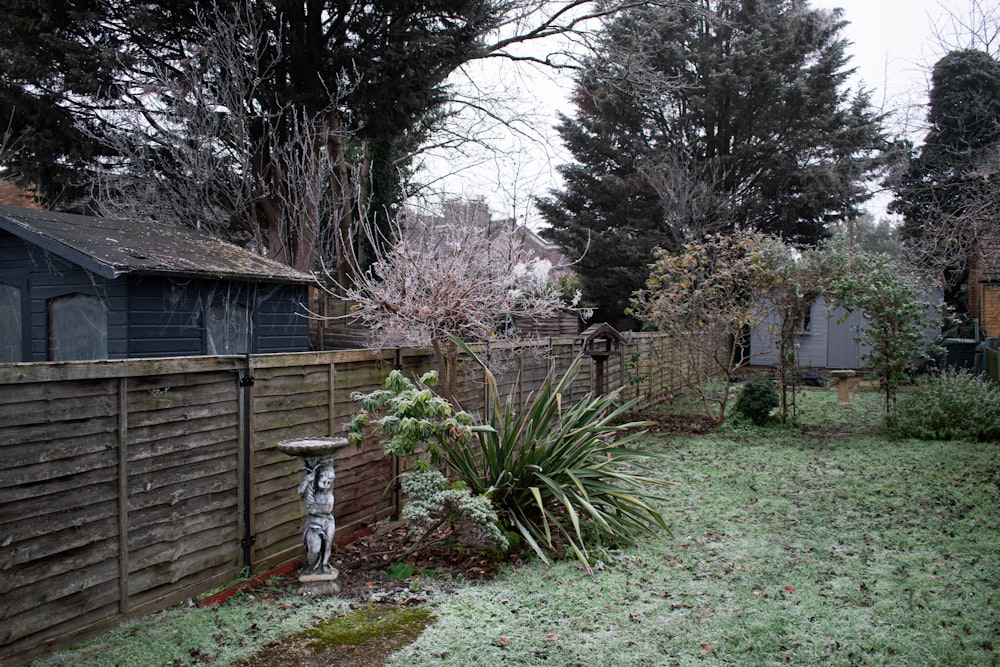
(167,315)
(812,342)
(151,316)
(46,277)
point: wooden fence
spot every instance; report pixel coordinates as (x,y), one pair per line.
(128,486)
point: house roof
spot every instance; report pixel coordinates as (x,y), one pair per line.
(112,248)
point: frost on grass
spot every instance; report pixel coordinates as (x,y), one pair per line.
(218,635)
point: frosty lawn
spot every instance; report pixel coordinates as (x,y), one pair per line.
(827,548)
(829,545)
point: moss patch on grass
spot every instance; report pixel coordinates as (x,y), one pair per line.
(370,623)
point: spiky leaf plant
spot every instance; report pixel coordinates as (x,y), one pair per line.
(560,475)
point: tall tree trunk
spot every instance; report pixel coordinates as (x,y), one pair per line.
(340,186)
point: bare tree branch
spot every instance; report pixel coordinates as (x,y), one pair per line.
(462,275)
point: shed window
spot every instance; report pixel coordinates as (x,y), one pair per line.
(226,325)
(78,328)
(807,318)
(11,331)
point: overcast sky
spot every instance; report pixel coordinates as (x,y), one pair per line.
(893,47)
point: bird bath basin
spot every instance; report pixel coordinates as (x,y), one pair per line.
(311,447)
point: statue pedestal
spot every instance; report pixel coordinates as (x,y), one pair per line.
(319,585)
(318,576)
(843,386)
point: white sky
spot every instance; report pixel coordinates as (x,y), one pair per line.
(893,47)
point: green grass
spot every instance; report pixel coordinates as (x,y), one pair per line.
(788,549)
(218,635)
(825,545)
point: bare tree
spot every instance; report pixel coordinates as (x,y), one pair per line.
(464,276)
(223,118)
(960,224)
(976,27)
(694,204)
(218,175)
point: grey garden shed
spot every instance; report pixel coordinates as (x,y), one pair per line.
(827,337)
(76,287)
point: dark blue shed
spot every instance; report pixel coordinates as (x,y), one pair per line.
(77,287)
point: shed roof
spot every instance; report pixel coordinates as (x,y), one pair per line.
(112,248)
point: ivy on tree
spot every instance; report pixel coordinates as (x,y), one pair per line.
(949,193)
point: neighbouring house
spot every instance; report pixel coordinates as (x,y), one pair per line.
(984,288)
(75,287)
(827,337)
(476,212)
(13,195)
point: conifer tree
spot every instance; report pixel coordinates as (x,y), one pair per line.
(948,193)
(728,115)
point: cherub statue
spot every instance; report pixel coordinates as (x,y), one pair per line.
(316,490)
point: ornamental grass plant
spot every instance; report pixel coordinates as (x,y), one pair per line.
(561,476)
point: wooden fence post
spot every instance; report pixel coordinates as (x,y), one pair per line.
(331,405)
(245,464)
(123,592)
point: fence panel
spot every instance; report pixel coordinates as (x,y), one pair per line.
(129,485)
(58,507)
(182,479)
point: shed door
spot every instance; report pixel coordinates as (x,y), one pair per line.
(11,323)
(844,350)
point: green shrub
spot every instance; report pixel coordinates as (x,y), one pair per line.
(560,475)
(557,475)
(433,503)
(955,405)
(757,399)
(411,415)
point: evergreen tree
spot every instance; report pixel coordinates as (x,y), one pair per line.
(608,218)
(948,192)
(54,62)
(727,114)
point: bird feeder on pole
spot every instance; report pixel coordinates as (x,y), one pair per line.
(600,341)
